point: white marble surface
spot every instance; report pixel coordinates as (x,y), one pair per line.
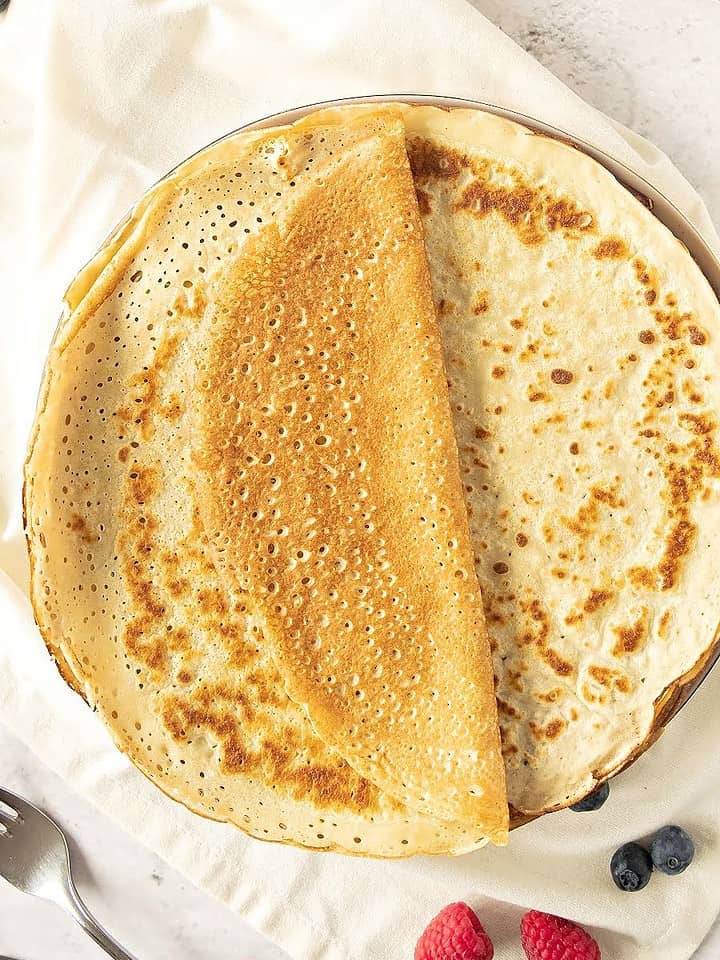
(654,65)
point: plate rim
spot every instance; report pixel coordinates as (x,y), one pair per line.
(653,198)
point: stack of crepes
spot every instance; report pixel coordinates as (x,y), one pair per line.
(374,484)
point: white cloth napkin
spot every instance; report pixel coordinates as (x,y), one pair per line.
(97,100)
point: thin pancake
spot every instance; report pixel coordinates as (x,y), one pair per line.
(331,487)
(600,592)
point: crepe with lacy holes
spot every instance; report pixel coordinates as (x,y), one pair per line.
(330,488)
(582,347)
(124,586)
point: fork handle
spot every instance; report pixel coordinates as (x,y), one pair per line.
(87,921)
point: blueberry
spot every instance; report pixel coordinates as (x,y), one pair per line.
(672,850)
(594,800)
(631,867)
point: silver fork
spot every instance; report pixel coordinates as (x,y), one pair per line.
(34,857)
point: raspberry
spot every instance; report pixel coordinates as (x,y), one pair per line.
(545,937)
(454,934)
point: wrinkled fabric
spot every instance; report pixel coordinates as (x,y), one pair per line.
(98,100)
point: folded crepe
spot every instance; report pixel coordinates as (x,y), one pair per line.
(249,547)
(330,488)
(201,539)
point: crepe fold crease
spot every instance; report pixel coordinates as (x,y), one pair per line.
(347,417)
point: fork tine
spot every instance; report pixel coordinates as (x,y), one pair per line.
(9,799)
(19,806)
